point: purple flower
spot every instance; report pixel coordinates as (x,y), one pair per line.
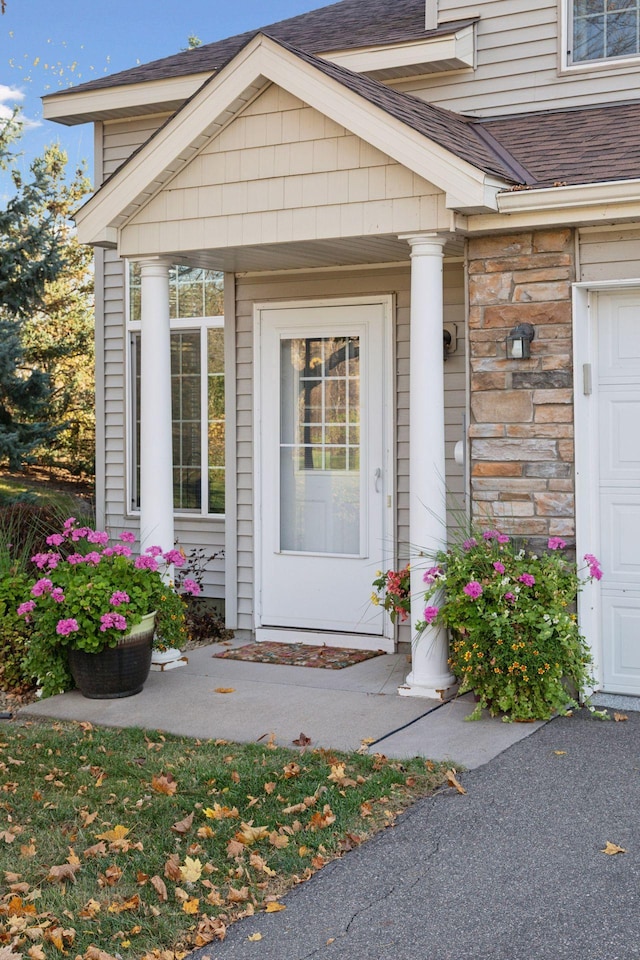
(176,557)
(509,596)
(98,536)
(502,538)
(75,558)
(430,613)
(127,537)
(528,579)
(41,586)
(594,566)
(154,551)
(190,586)
(57,594)
(66,526)
(431,574)
(118,597)
(115,620)
(145,562)
(470,543)
(556,543)
(491,534)
(93,558)
(55,539)
(26,608)
(473,589)
(80,533)
(41,560)
(499,567)
(121,550)
(65,627)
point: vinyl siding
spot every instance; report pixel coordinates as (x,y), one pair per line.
(518,54)
(383,280)
(612,254)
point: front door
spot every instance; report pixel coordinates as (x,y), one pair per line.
(618,391)
(322,471)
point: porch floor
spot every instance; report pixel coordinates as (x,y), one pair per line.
(335,708)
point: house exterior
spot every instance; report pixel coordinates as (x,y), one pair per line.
(287,225)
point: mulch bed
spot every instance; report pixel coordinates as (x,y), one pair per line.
(299,655)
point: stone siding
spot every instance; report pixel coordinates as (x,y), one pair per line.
(521,430)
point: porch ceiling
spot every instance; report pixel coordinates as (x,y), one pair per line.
(309,254)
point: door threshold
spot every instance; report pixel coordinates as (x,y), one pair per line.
(351,641)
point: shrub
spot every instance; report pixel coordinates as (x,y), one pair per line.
(14,636)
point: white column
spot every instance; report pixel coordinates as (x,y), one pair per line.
(430,675)
(156,453)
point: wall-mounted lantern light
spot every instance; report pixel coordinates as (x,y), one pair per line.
(519,342)
(449,339)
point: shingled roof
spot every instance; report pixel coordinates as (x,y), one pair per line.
(350,23)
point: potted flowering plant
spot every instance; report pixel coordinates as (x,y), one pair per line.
(515,639)
(94,610)
(392,590)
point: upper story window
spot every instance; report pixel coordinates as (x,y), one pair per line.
(604,29)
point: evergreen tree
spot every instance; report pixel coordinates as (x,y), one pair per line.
(34,253)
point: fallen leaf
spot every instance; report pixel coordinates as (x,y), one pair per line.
(278,840)
(160,887)
(183,826)
(620,717)
(209,928)
(249,834)
(235,848)
(90,910)
(254,937)
(560,753)
(453,781)
(291,770)
(36,952)
(612,848)
(192,905)
(319,821)
(275,907)
(302,741)
(65,871)
(164,783)
(117,833)
(191,871)
(220,813)
(172,868)
(238,896)
(224,690)
(97,850)
(131,904)
(94,953)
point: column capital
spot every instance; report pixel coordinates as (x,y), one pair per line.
(426,244)
(152,266)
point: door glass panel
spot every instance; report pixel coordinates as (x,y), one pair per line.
(320,445)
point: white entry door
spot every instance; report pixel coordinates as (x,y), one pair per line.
(618,364)
(322,471)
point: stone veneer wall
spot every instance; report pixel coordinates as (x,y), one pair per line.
(521,430)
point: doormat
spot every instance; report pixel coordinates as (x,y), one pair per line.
(299,655)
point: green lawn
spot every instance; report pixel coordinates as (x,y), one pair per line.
(126,841)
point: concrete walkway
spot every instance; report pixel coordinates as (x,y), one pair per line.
(335,708)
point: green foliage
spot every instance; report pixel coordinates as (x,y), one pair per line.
(37,248)
(515,637)
(392,590)
(14,635)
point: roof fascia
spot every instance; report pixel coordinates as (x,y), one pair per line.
(591,203)
(219,100)
(455,51)
(129,100)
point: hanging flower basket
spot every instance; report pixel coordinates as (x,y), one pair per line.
(119,671)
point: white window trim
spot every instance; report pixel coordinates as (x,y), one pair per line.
(203,325)
(567,66)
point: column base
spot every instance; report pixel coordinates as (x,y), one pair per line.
(440,688)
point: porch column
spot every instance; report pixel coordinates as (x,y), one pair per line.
(156,453)
(430,675)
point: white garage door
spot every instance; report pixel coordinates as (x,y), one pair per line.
(618,365)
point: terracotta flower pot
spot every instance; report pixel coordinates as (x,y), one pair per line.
(116,671)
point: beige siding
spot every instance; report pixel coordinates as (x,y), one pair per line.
(279,173)
(383,280)
(120,139)
(610,254)
(517,64)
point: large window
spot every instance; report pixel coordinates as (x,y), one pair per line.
(197,389)
(604,29)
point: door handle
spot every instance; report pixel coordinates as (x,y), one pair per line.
(377,477)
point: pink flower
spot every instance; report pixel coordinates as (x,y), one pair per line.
(119,597)
(98,536)
(75,558)
(502,538)
(470,543)
(55,539)
(176,557)
(431,575)
(26,608)
(556,543)
(473,589)
(121,550)
(66,526)
(190,586)
(57,594)
(154,551)
(41,560)
(491,534)
(65,627)
(499,567)
(41,586)
(80,533)
(430,613)
(528,579)
(509,596)
(115,620)
(145,562)
(93,558)
(594,566)
(127,537)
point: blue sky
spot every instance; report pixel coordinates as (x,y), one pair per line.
(48,45)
